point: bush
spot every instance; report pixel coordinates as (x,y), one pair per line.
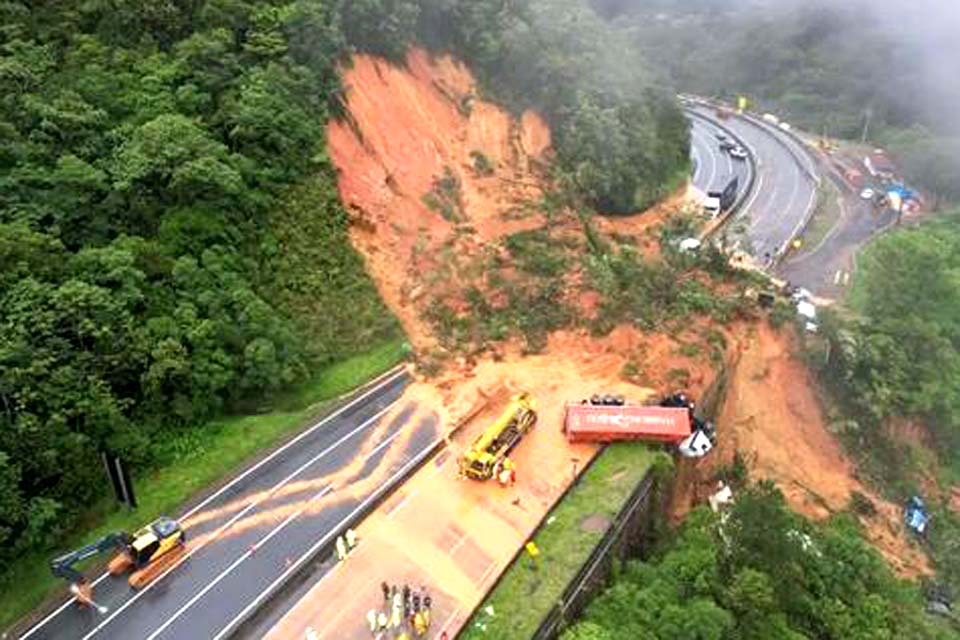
(782,313)
(481,163)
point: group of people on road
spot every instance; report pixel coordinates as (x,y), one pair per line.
(404,611)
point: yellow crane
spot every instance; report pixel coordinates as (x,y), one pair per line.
(488,454)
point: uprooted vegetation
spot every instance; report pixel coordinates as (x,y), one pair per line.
(522,270)
(569,275)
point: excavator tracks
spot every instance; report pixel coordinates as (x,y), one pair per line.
(143,577)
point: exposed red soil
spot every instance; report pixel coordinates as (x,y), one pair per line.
(773,418)
(407,128)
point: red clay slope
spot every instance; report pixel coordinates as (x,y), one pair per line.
(405,128)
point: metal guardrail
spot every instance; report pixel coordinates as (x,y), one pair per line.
(324,546)
(592,575)
(776,133)
(751,178)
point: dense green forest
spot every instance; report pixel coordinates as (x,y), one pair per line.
(900,354)
(756,573)
(171,240)
(172,246)
(895,353)
(621,140)
(833,67)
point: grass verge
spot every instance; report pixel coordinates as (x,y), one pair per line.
(225,445)
(525,594)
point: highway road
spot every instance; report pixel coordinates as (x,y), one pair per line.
(826,269)
(713,168)
(248,536)
(784,192)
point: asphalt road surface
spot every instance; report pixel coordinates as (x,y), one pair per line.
(245,537)
(713,168)
(826,268)
(784,193)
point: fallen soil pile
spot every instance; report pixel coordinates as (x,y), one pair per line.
(772,417)
(439,185)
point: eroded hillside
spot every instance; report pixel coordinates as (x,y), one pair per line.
(427,168)
(449,201)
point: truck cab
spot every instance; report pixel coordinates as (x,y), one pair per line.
(711,206)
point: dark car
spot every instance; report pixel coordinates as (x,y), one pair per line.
(726,145)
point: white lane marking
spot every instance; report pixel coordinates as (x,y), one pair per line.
(376,384)
(697,162)
(236,563)
(458,544)
(322,541)
(713,161)
(772,197)
(793,191)
(836,277)
(139,594)
(401,504)
(757,188)
(487,573)
(810,204)
(249,552)
(846,278)
(832,232)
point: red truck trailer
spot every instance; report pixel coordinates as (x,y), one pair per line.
(606,423)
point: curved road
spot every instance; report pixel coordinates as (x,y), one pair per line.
(784,193)
(247,537)
(712,168)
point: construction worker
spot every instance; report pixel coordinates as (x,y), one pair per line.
(372,621)
(351,539)
(341,549)
(311,634)
(508,473)
(382,621)
(386,592)
(407,602)
(397,618)
(426,613)
(419,625)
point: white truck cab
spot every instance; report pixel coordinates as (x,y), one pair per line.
(711,206)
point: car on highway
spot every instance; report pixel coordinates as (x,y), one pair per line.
(868,194)
(726,145)
(738,153)
(721,136)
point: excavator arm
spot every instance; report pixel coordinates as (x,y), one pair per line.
(63,566)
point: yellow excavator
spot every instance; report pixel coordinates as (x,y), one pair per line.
(487,457)
(146,554)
